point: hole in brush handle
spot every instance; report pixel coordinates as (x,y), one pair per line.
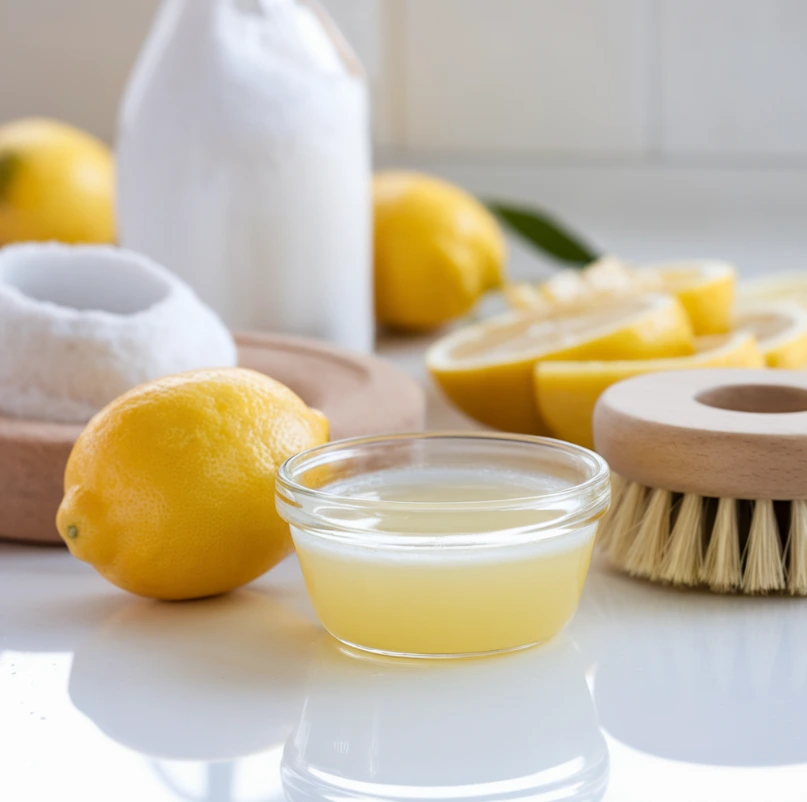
(758,398)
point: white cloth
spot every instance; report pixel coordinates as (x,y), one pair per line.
(80,325)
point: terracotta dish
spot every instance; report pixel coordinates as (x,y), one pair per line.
(361,395)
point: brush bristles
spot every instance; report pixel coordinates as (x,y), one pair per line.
(722,568)
(644,556)
(692,540)
(683,556)
(622,527)
(618,488)
(797,550)
(763,567)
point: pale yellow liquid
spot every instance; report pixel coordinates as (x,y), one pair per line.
(434,601)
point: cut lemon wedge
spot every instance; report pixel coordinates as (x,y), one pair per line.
(706,289)
(599,283)
(781,331)
(487,369)
(772,289)
(566,392)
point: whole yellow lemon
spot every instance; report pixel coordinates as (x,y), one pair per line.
(169,491)
(437,250)
(56,183)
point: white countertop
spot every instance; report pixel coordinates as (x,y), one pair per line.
(650,695)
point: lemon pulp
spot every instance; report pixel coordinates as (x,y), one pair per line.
(705,288)
(443,599)
(781,331)
(487,368)
(567,392)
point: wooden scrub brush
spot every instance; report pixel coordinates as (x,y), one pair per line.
(710,478)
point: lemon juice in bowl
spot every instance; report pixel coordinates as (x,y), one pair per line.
(444,545)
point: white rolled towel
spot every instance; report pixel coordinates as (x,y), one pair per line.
(80,325)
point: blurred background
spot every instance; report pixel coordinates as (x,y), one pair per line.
(657,128)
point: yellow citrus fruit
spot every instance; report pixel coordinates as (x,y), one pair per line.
(487,369)
(437,250)
(169,491)
(781,331)
(600,282)
(772,289)
(567,392)
(705,288)
(56,183)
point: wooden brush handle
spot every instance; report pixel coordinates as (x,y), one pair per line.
(723,432)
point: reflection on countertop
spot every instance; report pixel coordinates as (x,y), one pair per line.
(697,677)
(224,678)
(650,694)
(501,728)
(213,679)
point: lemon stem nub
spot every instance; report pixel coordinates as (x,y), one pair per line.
(72,532)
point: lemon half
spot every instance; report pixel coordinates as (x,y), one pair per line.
(706,288)
(566,392)
(790,287)
(487,369)
(600,282)
(781,331)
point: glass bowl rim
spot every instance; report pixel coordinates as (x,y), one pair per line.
(595,486)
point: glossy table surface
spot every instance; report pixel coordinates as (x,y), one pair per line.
(650,695)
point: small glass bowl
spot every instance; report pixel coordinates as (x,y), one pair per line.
(444,545)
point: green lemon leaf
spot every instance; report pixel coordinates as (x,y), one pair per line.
(545,233)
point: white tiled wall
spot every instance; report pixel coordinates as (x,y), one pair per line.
(651,79)
(69,58)
(557,75)
(733,76)
(630,80)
